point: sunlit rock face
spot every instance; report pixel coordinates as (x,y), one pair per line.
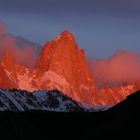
(63,66)
(8,77)
(113,95)
(65,61)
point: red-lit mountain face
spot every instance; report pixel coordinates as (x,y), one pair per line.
(63,66)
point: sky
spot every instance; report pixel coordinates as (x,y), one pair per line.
(100,26)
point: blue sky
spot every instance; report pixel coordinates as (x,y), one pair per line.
(100,26)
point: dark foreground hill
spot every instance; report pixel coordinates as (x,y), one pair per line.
(122,120)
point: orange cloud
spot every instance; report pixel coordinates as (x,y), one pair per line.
(23,55)
(123,66)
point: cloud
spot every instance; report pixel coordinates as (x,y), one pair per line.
(24,54)
(2,28)
(123,66)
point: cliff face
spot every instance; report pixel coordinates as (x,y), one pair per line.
(63,57)
(8,77)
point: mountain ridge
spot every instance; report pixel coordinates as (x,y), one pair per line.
(19,100)
(63,66)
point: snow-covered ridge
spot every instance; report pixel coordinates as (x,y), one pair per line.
(20,100)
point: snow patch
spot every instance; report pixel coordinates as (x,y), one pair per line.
(83,86)
(55,78)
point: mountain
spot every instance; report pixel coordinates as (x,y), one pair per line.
(17,100)
(63,66)
(121,121)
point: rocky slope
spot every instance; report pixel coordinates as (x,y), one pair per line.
(17,100)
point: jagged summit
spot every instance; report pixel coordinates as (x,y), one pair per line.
(67,35)
(66,38)
(66,32)
(63,57)
(63,46)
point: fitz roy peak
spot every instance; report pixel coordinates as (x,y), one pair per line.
(66,63)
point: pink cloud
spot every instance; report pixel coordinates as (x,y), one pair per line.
(123,66)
